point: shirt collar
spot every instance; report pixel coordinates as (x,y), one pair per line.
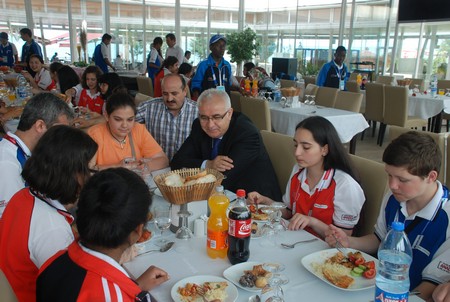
(104,257)
(430,210)
(21,143)
(339,67)
(324,183)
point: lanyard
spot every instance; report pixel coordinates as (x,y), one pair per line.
(21,155)
(338,71)
(214,76)
(69,218)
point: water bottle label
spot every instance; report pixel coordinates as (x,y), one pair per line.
(383,296)
(239,228)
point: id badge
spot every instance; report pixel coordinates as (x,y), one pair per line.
(5,59)
(341,84)
(221,88)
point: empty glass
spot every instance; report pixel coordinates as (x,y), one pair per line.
(162,221)
(416,89)
(307,96)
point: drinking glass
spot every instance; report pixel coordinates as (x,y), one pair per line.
(313,100)
(416,89)
(447,92)
(269,98)
(273,293)
(270,229)
(162,222)
(307,96)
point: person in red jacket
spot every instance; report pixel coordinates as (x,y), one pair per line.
(112,212)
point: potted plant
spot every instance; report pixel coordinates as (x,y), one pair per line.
(242,46)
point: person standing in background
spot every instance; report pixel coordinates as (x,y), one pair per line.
(187,57)
(174,50)
(8,51)
(54,58)
(102,54)
(154,59)
(334,73)
(29,48)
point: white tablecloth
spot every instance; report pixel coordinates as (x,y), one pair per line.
(347,123)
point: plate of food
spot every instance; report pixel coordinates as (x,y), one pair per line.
(250,276)
(352,272)
(186,290)
(257,213)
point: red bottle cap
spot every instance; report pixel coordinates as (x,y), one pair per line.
(240,193)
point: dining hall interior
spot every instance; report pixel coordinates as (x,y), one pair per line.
(397,80)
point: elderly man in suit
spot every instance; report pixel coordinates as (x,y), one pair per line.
(229,142)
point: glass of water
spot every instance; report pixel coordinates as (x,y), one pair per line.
(162,221)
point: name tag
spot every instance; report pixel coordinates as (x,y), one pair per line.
(221,88)
(341,84)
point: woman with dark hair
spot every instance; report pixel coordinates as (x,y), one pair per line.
(111,215)
(37,223)
(123,142)
(323,188)
(53,68)
(154,59)
(66,78)
(42,81)
(170,65)
(186,70)
(110,83)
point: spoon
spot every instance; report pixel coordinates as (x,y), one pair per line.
(163,249)
(291,246)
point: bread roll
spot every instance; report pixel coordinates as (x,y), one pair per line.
(206,179)
(174,180)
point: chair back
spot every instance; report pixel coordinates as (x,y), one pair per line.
(353,76)
(443,84)
(287,83)
(374,182)
(235,98)
(352,86)
(374,110)
(386,80)
(258,112)
(6,292)
(440,138)
(311,89)
(419,82)
(349,101)
(139,98)
(326,96)
(145,85)
(309,80)
(280,148)
(396,105)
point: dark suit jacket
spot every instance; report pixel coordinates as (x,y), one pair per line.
(242,142)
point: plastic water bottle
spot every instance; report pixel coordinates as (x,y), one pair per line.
(433,85)
(21,90)
(277,91)
(395,257)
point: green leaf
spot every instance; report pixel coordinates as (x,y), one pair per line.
(242,46)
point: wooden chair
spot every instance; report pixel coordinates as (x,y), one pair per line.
(350,101)
(396,110)
(419,82)
(235,98)
(258,112)
(6,292)
(139,98)
(280,148)
(374,110)
(287,83)
(353,76)
(386,80)
(309,80)
(374,182)
(326,96)
(352,86)
(311,89)
(145,85)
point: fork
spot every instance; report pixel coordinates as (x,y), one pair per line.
(340,247)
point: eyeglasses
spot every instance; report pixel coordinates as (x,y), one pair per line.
(214,118)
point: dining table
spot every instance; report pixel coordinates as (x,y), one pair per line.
(347,123)
(193,263)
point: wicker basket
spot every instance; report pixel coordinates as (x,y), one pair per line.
(404,82)
(185,194)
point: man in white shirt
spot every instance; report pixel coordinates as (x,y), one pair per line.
(174,50)
(41,112)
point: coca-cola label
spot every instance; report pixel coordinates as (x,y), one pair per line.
(239,228)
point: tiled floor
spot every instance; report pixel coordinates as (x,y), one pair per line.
(368,147)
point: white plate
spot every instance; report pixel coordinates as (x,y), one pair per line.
(234,273)
(231,289)
(320,257)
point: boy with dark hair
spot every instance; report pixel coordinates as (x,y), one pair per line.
(417,199)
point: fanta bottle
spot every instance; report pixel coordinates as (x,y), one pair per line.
(247,85)
(217,235)
(255,88)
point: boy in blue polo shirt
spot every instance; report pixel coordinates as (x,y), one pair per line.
(418,199)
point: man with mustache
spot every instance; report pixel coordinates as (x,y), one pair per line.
(169,118)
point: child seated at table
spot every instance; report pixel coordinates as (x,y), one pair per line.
(42,81)
(323,188)
(417,198)
(112,211)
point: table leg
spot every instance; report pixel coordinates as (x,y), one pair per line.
(353,145)
(437,123)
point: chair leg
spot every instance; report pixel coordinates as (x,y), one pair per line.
(381,133)
(374,125)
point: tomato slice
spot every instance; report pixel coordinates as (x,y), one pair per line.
(369,274)
(359,261)
(370,264)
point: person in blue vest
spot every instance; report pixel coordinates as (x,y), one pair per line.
(40,113)
(102,54)
(8,51)
(29,48)
(334,73)
(154,59)
(215,71)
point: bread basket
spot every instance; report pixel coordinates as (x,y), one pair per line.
(185,194)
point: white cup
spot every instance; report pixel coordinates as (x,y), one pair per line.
(199,227)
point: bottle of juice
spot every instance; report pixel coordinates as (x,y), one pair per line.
(217,227)
(255,88)
(247,85)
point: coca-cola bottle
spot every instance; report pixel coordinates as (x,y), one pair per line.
(239,227)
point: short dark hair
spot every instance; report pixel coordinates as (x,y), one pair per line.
(185,68)
(415,151)
(119,100)
(43,106)
(26,31)
(59,165)
(67,78)
(91,69)
(176,75)
(106,37)
(169,61)
(55,66)
(324,133)
(187,52)
(157,40)
(340,48)
(114,82)
(171,36)
(38,57)
(112,204)
(249,66)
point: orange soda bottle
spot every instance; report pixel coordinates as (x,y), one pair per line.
(247,87)
(217,227)
(255,88)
